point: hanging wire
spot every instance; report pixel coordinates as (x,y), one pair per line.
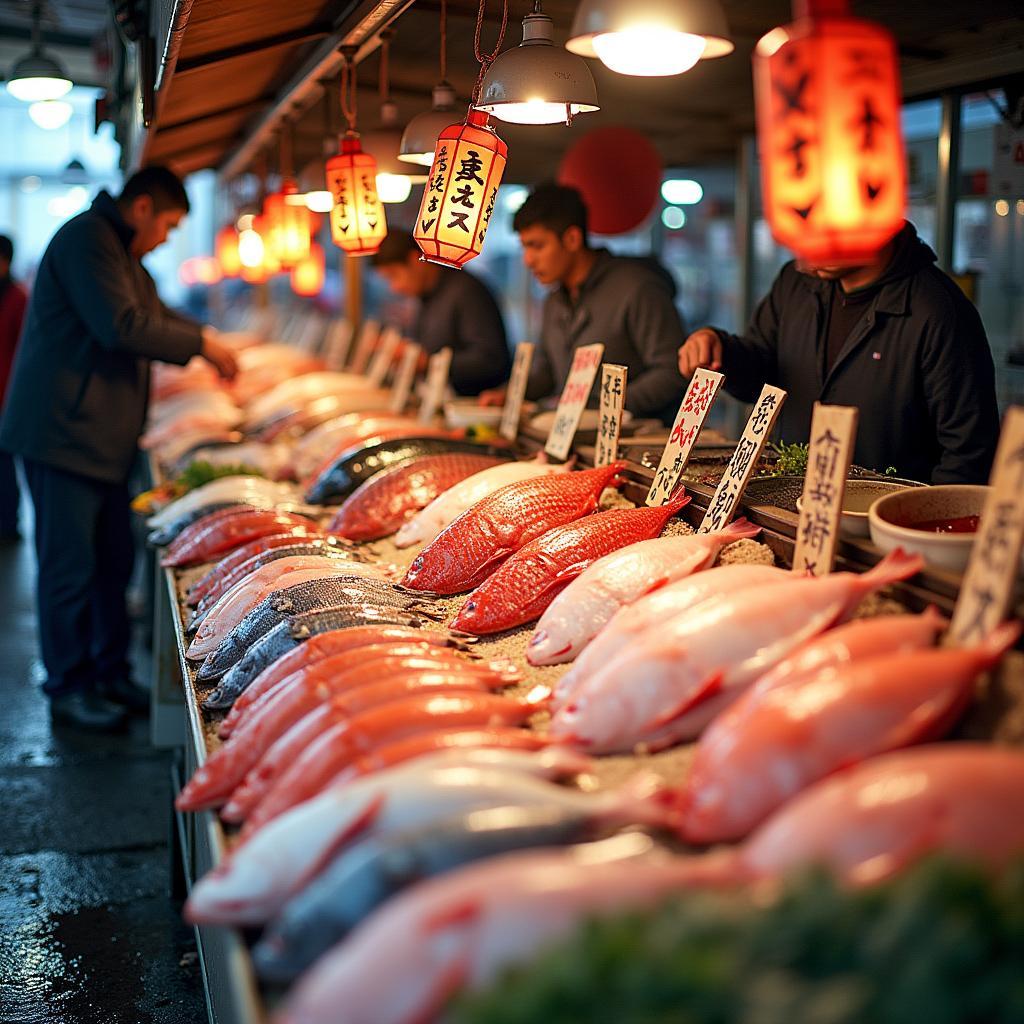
(444,40)
(384,82)
(348,93)
(486,59)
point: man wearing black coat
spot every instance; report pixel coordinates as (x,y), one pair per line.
(74,413)
(897,339)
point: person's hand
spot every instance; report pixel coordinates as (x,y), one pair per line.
(218,355)
(701,350)
(493,396)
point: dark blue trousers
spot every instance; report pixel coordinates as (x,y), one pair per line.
(84,555)
(10,495)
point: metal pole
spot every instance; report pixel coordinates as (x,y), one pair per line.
(947,180)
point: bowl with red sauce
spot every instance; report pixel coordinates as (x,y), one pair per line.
(937,522)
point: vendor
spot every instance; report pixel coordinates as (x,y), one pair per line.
(624,303)
(456,310)
(896,338)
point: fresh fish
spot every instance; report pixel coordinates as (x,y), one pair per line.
(295,631)
(230,533)
(380,506)
(469,550)
(270,459)
(586,606)
(723,645)
(212,419)
(164,535)
(448,506)
(523,587)
(769,746)
(296,422)
(227,489)
(295,392)
(327,741)
(358,465)
(322,437)
(171,454)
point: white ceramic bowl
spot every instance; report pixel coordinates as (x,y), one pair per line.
(891,517)
(589,421)
(467,412)
(857,499)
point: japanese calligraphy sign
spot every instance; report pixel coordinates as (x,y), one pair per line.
(516,391)
(368,337)
(575,394)
(390,339)
(437,380)
(744,460)
(405,377)
(833,432)
(613,394)
(339,341)
(987,588)
(693,410)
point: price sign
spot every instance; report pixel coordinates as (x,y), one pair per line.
(516,391)
(339,341)
(744,460)
(987,588)
(693,411)
(833,432)
(437,380)
(364,347)
(575,394)
(405,377)
(387,346)
(613,394)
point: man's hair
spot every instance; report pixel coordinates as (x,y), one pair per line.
(161,184)
(555,207)
(6,249)
(395,248)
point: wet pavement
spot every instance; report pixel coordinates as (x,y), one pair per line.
(88,932)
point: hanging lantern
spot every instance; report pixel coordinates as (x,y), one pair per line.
(358,225)
(258,263)
(287,235)
(828,125)
(307,276)
(226,249)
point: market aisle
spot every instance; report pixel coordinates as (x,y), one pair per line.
(87,932)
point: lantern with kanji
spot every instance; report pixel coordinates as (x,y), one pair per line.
(226,251)
(287,236)
(828,126)
(459,197)
(307,276)
(358,225)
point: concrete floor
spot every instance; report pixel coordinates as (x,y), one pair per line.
(88,932)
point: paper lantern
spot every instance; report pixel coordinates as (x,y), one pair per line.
(226,249)
(828,126)
(358,224)
(618,172)
(461,191)
(287,235)
(258,263)
(307,276)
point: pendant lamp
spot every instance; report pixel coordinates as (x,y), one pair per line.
(307,276)
(226,250)
(288,235)
(828,126)
(37,76)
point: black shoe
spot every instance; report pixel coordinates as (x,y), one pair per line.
(126,694)
(87,711)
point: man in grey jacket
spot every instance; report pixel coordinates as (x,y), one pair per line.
(622,302)
(74,413)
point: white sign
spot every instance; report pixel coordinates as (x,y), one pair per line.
(613,395)
(405,377)
(364,347)
(387,346)
(437,380)
(693,410)
(1008,166)
(575,394)
(339,341)
(516,391)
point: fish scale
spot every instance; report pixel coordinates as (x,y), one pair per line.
(164,535)
(225,534)
(486,534)
(528,582)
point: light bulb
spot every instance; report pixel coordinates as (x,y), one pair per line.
(50,114)
(682,191)
(534,112)
(393,188)
(250,248)
(29,90)
(319,201)
(649,51)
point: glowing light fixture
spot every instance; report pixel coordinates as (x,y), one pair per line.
(1002,208)
(682,191)
(288,235)
(673,218)
(37,76)
(650,38)
(250,250)
(50,114)
(226,248)
(307,276)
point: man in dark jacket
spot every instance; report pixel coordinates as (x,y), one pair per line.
(13,301)
(897,339)
(456,310)
(623,303)
(74,412)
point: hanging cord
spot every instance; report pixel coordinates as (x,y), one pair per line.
(384,81)
(349,109)
(444,40)
(486,59)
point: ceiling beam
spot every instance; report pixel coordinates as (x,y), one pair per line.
(50,37)
(304,35)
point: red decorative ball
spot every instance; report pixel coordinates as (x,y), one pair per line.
(618,171)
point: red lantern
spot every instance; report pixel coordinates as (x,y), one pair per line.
(307,276)
(828,127)
(287,235)
(459,197)
(358,225)
(226,249)
(618,172)
(267,265)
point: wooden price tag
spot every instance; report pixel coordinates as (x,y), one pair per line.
(744,460)
(437,380)
(833,433)
(516,391)
(693,410)
(405,377)
(337,345)
(575,395)
(364,347)
(987,589)
(390,339)
(613,394)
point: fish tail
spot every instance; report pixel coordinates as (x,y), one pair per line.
(897,565)
(678,499)
(999,641)
(738,529)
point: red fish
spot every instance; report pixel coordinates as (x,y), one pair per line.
(487,533)
(529,581)
(227,534)
(384,502)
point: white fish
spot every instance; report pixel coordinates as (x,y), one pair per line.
(296,391)
(227,489)
(583,609)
